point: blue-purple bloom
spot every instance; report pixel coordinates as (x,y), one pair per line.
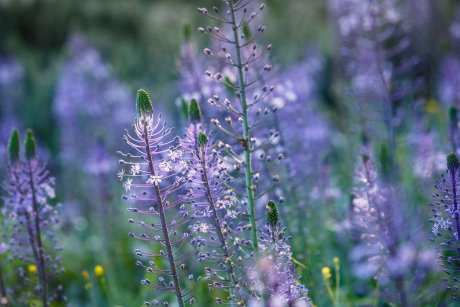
(29,191)
(153,176)
(446,223)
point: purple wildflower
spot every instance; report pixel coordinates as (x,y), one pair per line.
(274,276)
(153,176)
(446,223)
(244,72)
(28,192)
(383,249)
(217,214)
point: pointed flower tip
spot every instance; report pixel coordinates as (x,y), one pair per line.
(143,104)
(194,111)
(452,161)
(30,145)
(187,30)
(272,214)
(202,139)
(453,115)
(13,146)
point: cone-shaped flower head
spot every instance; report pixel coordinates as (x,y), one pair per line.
(453,115)
(13,146)
(30,145)
(452,161)
(202,139)
(187,30)
(144,106)
(272,214)
(194,112)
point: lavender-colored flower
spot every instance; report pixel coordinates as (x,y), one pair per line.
(154,174)
(385,246)
(446,223)
(375,44)
(217,214)
(245,131)
(29,190)
(274,276)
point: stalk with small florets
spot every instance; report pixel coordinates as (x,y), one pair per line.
(239,54)
(446,223)
(155,179)
(28,191)
(216,212)
(276,277)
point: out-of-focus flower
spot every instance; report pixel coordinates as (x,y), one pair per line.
(99,271)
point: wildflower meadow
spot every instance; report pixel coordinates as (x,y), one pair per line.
(229,152)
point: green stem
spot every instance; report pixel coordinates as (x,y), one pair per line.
(246,130)
(164,227)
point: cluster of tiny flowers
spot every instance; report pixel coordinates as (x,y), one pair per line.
(153,176)
(446,223)
(380,227)
(220,230)
(274,277)
(29,192)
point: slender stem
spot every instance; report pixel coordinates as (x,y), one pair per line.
(454,192)
(38,238)
(246,131)
(164,227)
(230,271)
(3,297)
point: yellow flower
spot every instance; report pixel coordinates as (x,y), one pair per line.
(326,272)
(32,268)
(99,270)
(336,261)
(85,275)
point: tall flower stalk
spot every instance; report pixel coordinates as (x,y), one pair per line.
(156,176)
(446,223)
(29,188)
(275,276)
(220,231)
(239,54)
